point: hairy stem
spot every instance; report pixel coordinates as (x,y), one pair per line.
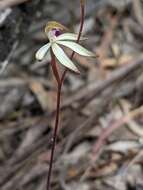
(54,137)
(55,70)
(60,83)
(82,13)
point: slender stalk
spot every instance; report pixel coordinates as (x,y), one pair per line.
(82,13)
(60,83)
(54,68)
(54,137)
(57,76)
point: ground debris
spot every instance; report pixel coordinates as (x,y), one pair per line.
(100,140)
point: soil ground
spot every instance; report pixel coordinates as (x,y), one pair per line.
(100,139)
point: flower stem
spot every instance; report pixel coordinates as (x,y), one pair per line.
(60,83)
(82,13)
(54,137)
(54,68)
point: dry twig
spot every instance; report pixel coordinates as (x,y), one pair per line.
(107,132)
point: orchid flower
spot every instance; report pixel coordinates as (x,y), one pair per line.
(58,39)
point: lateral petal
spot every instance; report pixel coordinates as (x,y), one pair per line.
(69,36)
(41,53)
(63,58)
(77,48)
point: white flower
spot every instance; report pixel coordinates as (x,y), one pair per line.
(66,39)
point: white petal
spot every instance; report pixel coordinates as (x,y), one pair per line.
(63,58)
(40,54)
(77,48)
(69,36)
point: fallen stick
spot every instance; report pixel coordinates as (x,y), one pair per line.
(106,133)
(92,90)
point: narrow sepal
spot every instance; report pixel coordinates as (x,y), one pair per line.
(41,53)
(77,48)
(63,58)
(69,36)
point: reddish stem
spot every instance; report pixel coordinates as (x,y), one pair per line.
(54,68)
(82,13)
(60,83)
(54,137)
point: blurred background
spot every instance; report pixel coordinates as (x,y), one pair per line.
(100,140)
